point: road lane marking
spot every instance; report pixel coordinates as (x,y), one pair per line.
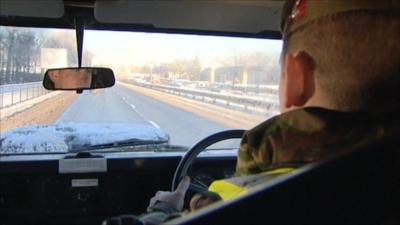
(143,117)
(154,124)
(139,113)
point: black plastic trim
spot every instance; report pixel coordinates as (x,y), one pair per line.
(67,22)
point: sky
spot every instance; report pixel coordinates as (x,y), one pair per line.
(128,48)
(140,48)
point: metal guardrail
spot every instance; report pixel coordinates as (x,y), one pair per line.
(246,103)
(13,94)
(259,89)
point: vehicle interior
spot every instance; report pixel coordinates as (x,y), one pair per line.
(89,184)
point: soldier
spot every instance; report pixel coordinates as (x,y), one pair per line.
(339,88)
(64,79)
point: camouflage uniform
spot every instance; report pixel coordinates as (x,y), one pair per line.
(296,138)
(307,135)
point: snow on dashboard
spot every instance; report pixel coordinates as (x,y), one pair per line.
(70,136)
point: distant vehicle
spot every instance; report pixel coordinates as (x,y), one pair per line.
(180,83)
(237,92)
(215,88)
(202,84)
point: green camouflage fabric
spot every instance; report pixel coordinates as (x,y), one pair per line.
(307,135)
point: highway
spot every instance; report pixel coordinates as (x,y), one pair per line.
(120,104)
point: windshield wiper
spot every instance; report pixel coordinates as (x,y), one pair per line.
(124,143)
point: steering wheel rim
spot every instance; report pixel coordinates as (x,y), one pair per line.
(187,159)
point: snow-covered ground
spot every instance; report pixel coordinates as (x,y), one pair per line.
(12,94)
(8,111)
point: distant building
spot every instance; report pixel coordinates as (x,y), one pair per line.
(240,75)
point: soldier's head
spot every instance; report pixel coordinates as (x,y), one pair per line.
(70,78)
(342,54)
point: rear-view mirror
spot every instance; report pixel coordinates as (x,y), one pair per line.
(78,78)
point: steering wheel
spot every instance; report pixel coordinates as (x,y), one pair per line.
(188,158)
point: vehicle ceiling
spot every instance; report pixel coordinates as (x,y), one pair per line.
(231,18)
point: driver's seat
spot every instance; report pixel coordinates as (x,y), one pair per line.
(359,187)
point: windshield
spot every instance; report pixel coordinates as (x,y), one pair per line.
(170,88)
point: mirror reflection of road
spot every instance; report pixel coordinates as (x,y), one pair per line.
(122,105)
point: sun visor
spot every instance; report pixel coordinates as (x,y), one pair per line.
(29,8)
(226,16)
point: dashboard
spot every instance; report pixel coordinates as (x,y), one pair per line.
(43,189)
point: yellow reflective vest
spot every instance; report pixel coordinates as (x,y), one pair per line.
(236,186)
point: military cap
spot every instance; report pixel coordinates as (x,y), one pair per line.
(297,13)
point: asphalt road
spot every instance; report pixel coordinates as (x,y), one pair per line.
(122,105)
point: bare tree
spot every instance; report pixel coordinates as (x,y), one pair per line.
(186,69)
(21,49)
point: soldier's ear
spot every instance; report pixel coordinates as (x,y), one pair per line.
(54,76)
(299,79)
